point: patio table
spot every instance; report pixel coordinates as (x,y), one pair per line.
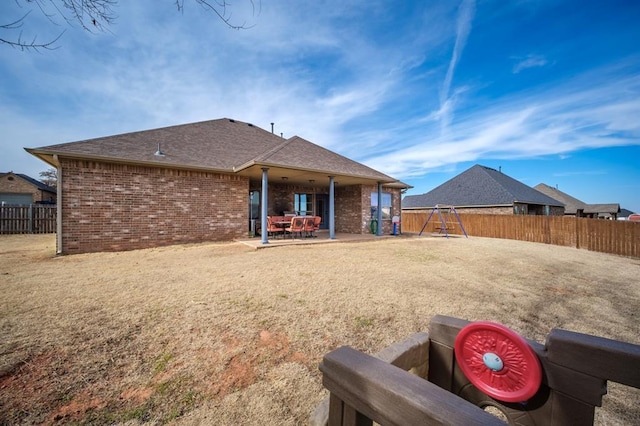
(282,224)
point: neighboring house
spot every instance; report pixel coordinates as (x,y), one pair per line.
(485,190)
(602,211)
(20,189)
(575,207)
(206,181)
(624,214)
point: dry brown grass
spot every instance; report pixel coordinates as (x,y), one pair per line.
(223,333)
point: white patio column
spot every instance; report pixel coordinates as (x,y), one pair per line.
(332,209)
(379,230)
(263,210)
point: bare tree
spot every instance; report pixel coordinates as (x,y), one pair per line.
(49,177)
(92,15)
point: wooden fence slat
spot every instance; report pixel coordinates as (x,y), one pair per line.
(32,219)
(605,236)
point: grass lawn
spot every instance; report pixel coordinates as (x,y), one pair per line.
(224,334)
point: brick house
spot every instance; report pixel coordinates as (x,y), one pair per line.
(206,181)
(483,190)
(20,189)
(577,208)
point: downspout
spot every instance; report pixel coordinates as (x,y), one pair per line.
(263,210)
(379,218)
(58,207)
(332,209)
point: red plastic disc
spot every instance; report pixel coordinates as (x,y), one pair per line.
(498,361)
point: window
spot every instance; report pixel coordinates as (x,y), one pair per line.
(303,204)
(254,204)
(386,205)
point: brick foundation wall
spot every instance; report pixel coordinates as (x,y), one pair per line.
(485,210)
(557,211)
(507,210)
(113,207)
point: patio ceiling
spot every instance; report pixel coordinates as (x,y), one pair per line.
(303,177)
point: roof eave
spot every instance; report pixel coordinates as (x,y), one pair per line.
(47,157)
(539,203)
(252,163)
(471,206)
(55,155)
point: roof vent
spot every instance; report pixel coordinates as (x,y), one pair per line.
(232,120)
(249,124)
(159,152)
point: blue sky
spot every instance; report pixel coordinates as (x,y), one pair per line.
(547,90)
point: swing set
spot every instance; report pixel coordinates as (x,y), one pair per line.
(446,221)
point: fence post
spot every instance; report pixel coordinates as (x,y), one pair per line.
(30,218)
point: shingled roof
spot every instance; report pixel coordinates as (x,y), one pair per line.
(572,205)
(479,186)
(222,145)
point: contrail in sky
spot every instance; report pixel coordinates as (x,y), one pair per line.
(466,12)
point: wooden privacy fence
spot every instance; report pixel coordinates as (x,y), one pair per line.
(606,236)
(31,219)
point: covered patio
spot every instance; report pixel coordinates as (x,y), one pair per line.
(322,237)
(317,182)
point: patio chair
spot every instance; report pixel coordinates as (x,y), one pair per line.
(296,227)
(316,222)
(272,229)
(309,227)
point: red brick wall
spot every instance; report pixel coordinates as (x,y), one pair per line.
(112,207)
(353,208)
(348,205)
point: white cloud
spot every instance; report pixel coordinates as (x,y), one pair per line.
(530,61)
(463,28)
(466,12)
(556,121)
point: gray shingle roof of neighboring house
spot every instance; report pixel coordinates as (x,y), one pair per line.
(611,208)
(625,213)
(479,186)
(222,145)
(40,185)
(572,205)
